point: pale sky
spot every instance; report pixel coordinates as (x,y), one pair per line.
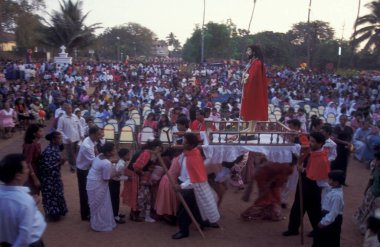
(181,16)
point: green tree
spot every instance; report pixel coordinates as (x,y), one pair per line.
(316,31)
(369,29)
(276,47)
(66,27)
(217,42)
(27,32)
(12,10)
(134,40)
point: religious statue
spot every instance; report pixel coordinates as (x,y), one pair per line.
(254,103)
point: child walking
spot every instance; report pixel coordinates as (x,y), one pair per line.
(330,226)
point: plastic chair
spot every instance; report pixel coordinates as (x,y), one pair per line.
(98,122)
(307,108)
(321,110)
(272,118)
(131,123)
(115,124)
(137,118)
(331,118)
(127,136)
(109,132)
(277,114)
(147,133)
(166,136)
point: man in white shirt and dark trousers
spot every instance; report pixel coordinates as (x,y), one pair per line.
(86,155)
(71,129)
(330,226)
(21,223)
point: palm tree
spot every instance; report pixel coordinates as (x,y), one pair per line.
(66,27)
(369,28)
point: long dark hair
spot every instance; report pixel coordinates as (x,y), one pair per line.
(29,134)
(257,53)
(256,50)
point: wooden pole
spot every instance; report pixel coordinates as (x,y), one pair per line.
(180,196)
(300,189)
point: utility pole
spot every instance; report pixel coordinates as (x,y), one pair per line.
(250,20)
(308,35)
(340,48)
(203,32)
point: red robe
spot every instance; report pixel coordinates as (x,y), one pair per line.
(254,105)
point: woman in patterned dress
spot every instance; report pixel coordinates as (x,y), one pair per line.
(53,199)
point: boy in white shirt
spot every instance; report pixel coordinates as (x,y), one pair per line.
(114,184)
(330,145)
(330,226)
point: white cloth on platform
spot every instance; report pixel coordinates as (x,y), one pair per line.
(216,154)
(99,198)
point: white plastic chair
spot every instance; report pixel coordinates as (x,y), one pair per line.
(147,133)
(115,124)
(98,122)
(131,123)
(166,135)
(127,136)
(331,118)
(307,108)
(109,132)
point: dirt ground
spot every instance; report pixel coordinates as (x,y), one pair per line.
(73,232)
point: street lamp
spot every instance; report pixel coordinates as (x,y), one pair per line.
(308,35)
(203,32)
(118,48)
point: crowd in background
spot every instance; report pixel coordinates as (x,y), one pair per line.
(76,97)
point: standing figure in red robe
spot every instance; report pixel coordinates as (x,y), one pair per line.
(254,103)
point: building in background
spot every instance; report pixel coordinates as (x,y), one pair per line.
(7,41)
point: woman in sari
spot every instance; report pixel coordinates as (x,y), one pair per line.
(136,193)
(99,198)
(371,199)
(166,199)
(53,199)
(31,149)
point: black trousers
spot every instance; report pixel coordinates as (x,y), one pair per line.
(329,235)
(341,161)
(38,243)
(184,219)
(83,198)
(115,196)
(311,204)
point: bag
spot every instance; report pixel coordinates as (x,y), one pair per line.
(133,159)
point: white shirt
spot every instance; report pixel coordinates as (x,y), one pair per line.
(184,175)
(70,128)
(21,223)
(331,147)
(332,201)
(59,112)
(86,154)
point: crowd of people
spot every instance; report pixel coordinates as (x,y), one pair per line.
(75,101)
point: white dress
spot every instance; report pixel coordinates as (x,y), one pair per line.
(99,198)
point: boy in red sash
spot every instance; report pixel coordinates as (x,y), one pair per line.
(314,177)
(195,189)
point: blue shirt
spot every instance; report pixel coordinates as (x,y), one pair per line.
(21,223)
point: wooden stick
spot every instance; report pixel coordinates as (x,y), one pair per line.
(300,189)
(180,196)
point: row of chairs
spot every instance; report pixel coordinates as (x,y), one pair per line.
(129,136)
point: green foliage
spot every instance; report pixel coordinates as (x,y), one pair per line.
(66,27)
(27,35)
(12,10)
(134,40)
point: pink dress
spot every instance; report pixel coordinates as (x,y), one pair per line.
(166,200)
(7,118)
